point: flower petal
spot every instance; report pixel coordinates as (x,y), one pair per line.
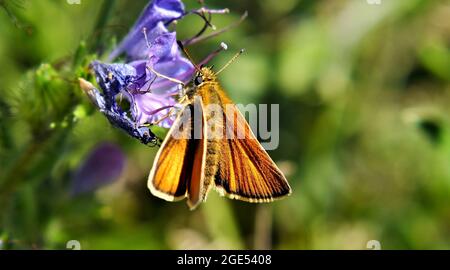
(113,79)
(180,69)
(152,107)
(157,11)
(115,115)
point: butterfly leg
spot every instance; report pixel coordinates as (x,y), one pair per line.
(171,111)
(165,77)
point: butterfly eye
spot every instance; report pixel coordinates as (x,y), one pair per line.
(198,80)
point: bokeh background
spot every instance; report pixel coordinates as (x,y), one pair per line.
(364,100)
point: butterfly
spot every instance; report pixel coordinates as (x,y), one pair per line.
(213,148)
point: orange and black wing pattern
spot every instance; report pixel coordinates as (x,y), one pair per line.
(246,172)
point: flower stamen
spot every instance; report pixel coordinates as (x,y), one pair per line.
(216,33)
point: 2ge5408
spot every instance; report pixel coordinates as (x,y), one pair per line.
(246,259)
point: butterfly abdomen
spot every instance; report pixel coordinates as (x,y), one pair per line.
(211,163)
(214,124)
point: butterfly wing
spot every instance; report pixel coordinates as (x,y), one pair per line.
(178,167)
(171,169)
(246,172)
(196,187)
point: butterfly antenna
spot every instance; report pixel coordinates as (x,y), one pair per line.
(231,61)
(180,44)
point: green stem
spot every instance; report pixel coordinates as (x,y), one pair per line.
(221,222)
(15,175)
(262,239)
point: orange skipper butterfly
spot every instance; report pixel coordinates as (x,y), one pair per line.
(216,148)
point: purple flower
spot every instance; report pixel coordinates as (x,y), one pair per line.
(150,97)
(155,16)
(154,56)
(116,116)
(102,166)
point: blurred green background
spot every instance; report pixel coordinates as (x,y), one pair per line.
(364,100)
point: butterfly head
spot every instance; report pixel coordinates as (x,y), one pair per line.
(205,75)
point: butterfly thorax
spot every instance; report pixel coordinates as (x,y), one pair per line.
(207,87)
(208,75)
